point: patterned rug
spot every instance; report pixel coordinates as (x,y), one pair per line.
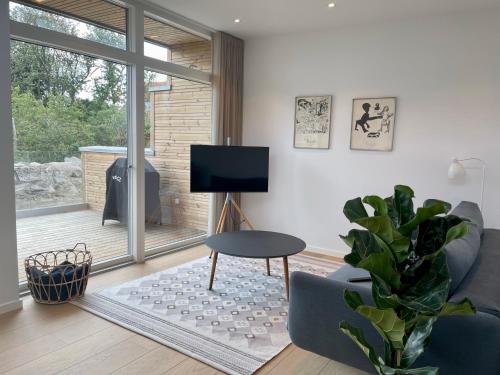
(237,327)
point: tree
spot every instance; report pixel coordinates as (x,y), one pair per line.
(63,100)
(47,71)
(111,85)
(49,132)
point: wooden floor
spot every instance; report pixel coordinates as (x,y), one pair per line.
(67,340)
(64,230)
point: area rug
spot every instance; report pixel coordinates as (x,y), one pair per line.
(237,327)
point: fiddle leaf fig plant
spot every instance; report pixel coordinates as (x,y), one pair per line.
(403,250)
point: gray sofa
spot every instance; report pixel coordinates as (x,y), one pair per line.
(459,345)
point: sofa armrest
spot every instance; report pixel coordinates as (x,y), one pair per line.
(316,309)
(464,345)
(459,344)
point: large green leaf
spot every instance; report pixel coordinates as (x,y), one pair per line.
(354,210)
(423,214)
(381,293)
(415,371)
(432,202)
(382,265)
(367,254)
(429,293)
(417,342)
(353,299)
(433,233)
(378,204)
(456,232)
(362,242)
(403,204)
(464,307)
(357,336)
(381,227)
(386,322)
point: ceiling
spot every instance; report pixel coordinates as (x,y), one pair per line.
(270,17)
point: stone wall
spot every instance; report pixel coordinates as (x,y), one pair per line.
(40,185)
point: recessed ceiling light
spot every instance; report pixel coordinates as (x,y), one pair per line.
(331,5)
(237,20)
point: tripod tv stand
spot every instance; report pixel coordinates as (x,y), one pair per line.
(225,211)
(222,221)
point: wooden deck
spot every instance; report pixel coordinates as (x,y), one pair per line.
(64,230)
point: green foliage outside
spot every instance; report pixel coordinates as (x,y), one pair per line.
(403,250)
(61,100)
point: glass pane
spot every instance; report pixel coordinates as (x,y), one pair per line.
(70,125)
(183,48)
(156,51)
(98,21)
(178,114)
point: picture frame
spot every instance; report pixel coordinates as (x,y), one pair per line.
(373,123)
(312,122)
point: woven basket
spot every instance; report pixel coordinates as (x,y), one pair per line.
(56,277)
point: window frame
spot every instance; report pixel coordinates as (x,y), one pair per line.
(133,57)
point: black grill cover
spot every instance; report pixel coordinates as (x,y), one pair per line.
(116,207)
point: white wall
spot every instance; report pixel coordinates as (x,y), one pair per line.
(445,72)
(9,296)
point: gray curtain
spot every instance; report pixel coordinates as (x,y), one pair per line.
(228,103)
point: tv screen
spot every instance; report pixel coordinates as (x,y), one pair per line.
(221,169)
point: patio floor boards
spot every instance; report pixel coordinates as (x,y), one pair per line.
(64,230)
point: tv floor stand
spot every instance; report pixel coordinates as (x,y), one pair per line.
(222,221)
(225,211)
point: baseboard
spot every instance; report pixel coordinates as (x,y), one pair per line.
(11,306)
(328,252)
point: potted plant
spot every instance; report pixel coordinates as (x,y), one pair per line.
(403,251)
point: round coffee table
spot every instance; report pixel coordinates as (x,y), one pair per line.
(255,244)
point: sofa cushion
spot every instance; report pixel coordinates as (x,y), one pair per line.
(347,272)
(461,255)
(481,284)
(470,211)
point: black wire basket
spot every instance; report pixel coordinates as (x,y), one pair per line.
(56,277)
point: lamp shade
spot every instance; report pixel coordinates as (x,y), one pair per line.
(456,170)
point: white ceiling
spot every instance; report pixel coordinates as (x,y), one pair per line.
(270,17)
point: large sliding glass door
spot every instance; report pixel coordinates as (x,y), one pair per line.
(67,108)
(91,164)
(178,114)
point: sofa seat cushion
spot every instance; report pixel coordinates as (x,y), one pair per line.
(482,283)
(347,272)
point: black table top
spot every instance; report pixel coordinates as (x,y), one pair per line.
(255,244)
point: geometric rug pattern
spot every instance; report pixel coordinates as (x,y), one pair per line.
(237,327)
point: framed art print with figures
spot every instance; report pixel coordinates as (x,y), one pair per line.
(312,122)
(373,122)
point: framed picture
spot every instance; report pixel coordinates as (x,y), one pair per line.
(373,122)
(312,122)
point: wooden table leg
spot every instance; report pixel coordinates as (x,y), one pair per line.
(287,277)
(212,273)
(268,267)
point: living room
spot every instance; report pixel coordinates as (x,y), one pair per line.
(331,101)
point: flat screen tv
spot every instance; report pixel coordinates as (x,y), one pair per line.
(222,169)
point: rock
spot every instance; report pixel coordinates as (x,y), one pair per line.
(73,160)
(48,184)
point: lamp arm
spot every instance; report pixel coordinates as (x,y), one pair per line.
(475,159)
(483,178)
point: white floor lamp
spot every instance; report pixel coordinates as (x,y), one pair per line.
(457,171)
